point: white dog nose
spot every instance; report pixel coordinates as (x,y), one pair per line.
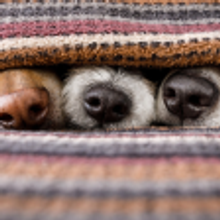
(188,96)
(105,104)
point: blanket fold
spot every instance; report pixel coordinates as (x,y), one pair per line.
(158,33)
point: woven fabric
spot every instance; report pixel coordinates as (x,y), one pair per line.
(118,175)
(156,33)
(131,175)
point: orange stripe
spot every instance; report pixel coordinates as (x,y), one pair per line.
(165,56)
(134,172)
(109,205)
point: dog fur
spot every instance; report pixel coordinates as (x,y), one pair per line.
(140,91)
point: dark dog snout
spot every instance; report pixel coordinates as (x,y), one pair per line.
(188,96)
(106,104)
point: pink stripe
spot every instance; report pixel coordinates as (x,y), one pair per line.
(106,160)
(42,28)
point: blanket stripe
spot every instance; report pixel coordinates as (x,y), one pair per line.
(54,28)
(116,145)
(131,54)
(176,14)
(134,33)
(116,175)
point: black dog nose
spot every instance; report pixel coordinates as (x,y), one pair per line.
(106,104)
(188,96)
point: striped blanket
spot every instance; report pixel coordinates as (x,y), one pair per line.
(153,173)
(136,175)
(156,33)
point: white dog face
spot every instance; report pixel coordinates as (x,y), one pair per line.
(30,99)
(105,98)
(190,97)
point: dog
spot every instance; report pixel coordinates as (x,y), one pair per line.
(107,98)
(190,97)
(30,99)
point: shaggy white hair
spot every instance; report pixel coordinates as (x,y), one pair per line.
(210,117)
(139,90)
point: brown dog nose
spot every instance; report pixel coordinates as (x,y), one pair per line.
(24,109)
(188,96)
(106,105)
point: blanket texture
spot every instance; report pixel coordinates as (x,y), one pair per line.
(132,175)
(153,33)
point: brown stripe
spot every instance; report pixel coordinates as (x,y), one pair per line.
(178,55)
(135,172)
(109,205)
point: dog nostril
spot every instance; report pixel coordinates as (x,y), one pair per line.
(195,100)
(35,110)
(170,93)
(4,117)
(120,110)
(94,101)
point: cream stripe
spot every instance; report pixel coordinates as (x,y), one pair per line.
(161,171)
(84,39)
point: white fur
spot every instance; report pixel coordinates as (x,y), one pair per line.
(211,117)
(139,90)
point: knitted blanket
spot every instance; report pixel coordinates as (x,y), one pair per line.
(120,175)
(158,33)
(132,175)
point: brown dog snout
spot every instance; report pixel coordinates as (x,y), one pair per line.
(188,96)
(26,108)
